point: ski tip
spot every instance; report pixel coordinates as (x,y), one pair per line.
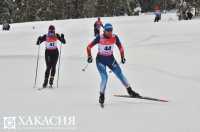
(164,100)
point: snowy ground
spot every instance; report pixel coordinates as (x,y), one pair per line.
(162,61)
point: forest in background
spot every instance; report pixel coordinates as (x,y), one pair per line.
(40,10)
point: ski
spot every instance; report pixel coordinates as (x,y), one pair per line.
(39,89)
(50,87)
(143,97)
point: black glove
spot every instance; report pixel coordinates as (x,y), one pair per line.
(62,36)
(123,60)
(38,40)
(89,60)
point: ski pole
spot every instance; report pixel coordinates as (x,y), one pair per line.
(85,67)
(36,71)
(59,66)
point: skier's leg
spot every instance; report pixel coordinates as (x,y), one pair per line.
(155,19)
(96,32)
(118,72)
(104,77)
(54,60)
(47,72)
(48,68)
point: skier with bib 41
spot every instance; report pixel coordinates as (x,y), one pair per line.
(105,59)
(51,53)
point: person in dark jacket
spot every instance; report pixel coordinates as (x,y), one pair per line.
(51,40)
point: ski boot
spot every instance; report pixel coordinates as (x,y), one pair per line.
(101,99)
(133,93)
(51,81)
(45,83)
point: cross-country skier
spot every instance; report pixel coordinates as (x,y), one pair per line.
(97,26)
(51,53)
(157,13)
(105,58)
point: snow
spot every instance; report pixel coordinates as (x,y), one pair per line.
(162,61)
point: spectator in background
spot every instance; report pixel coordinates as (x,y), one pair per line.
(6,26)
(190,13)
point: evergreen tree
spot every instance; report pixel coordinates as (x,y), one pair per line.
(31,10)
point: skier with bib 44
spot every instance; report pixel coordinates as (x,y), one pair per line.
(51,53)
(105,58)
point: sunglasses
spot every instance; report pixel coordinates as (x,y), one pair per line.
(109,30)
(51,30)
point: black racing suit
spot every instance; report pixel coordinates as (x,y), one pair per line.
(51,57)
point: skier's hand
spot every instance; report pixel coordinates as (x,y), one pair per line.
(62,36)
(123,60)
(38,40)
(89,60)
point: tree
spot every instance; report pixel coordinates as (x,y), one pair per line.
(37,10)
(6,10)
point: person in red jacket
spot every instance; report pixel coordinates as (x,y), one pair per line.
(157,13)
(97,26)
(51,53)
(105,58)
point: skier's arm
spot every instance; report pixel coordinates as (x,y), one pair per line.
(89,47)
(92,44)
(61,38)
(121,49)
(119,45)
(41,39)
